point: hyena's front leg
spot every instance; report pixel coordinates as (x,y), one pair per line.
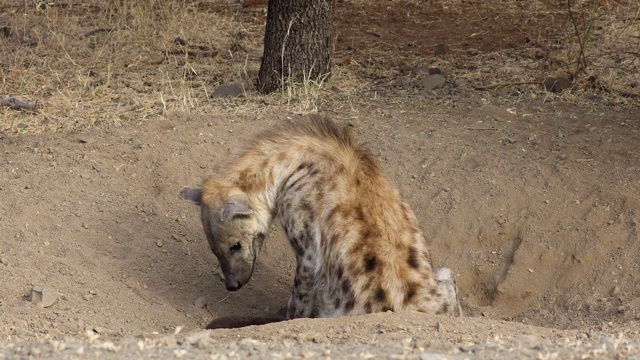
(305,287)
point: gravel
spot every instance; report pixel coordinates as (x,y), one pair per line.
(204,344)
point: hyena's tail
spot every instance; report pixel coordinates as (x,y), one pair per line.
(234,322)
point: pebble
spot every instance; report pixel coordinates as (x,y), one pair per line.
(460,82)
(201,345)
(431,82)
(86,139)
(200,302)
(227,91)
(43,296)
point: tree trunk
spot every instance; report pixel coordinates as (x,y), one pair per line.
(297,43)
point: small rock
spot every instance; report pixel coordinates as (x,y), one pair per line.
(86,139)
(406,69)
(460,82)
(227,91)
(249,343)
(615,291)
(200,302)
(43,296)
(414,70)
(5,31)
(431,82)
(439,49)
(557,85)
(159,243)
(201,340)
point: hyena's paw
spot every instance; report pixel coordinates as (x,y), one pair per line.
(447,284)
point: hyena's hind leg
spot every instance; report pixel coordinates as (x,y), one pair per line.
(447,284)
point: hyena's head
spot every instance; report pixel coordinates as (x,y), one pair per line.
(234,230)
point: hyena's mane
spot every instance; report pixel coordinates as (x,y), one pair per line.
(326,130)
(314,126)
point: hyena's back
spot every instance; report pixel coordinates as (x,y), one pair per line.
(372,256)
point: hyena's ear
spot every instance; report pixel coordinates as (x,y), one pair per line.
(236,205)
(192,195)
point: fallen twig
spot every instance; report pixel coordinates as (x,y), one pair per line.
(515,83)
(99,30)
(193,53)
(490,129)
(17,104)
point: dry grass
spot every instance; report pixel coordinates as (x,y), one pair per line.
(118,61)
(110,62)
(601,48)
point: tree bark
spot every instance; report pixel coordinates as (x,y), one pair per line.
(297,43)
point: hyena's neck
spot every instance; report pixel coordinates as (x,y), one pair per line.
(268,171)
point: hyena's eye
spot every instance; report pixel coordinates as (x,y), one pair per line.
(235,247)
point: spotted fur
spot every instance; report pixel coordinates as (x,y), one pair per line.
(357,243)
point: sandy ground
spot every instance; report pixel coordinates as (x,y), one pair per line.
(531,198)
(535,211)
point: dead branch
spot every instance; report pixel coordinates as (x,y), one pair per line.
(99,30)
(193,53)
(17,104)
(515,83)
(582,62)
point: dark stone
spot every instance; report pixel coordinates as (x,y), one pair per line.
(6,31)
(227,91)
(439,50)
(180,41)
(557,85)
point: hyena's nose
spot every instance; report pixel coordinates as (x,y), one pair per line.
(233,285)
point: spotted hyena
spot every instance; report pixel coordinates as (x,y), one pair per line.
(358,246)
